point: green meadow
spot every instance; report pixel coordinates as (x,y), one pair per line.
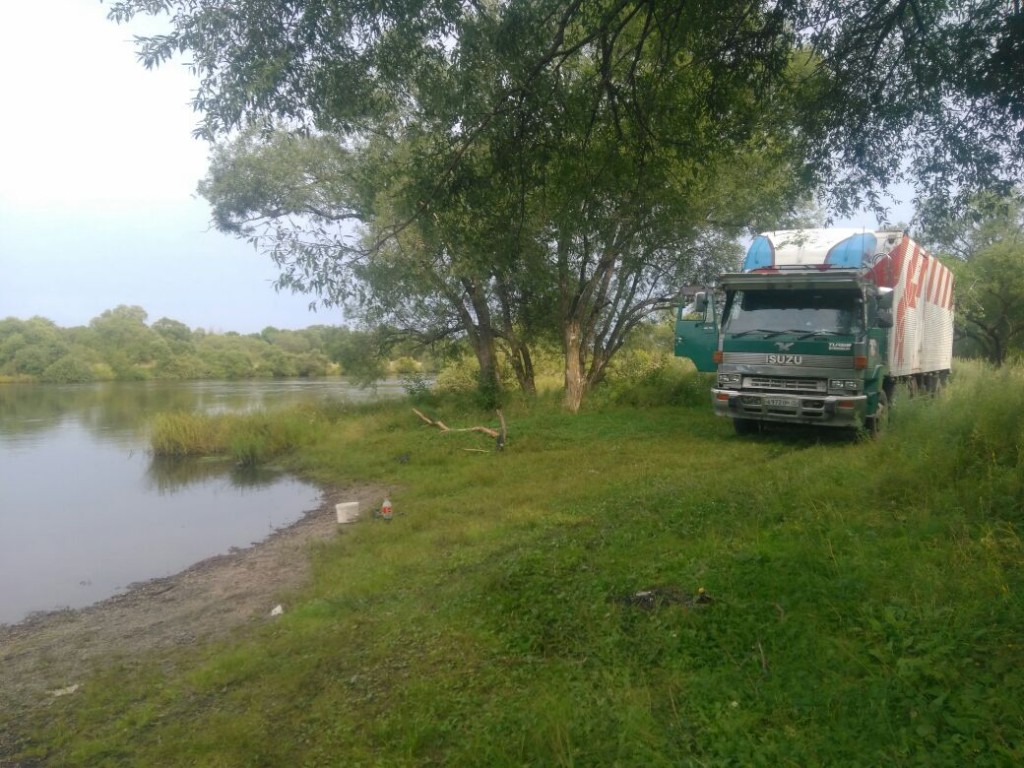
(538,606)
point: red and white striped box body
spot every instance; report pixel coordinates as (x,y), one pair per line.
(921,340)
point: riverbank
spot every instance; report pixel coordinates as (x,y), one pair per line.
(536,605)
(89,508)
(48,655)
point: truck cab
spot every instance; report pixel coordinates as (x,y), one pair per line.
(801,347)
(803,334)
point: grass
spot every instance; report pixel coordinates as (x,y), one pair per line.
(250,439)
(867,600)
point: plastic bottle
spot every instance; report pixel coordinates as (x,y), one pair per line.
(385,509)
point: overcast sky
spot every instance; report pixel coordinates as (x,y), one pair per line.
(98,170)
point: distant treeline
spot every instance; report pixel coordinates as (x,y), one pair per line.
(120,345)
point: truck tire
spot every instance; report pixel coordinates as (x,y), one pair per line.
(746,426)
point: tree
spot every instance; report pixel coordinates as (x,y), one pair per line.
(561,208)
(631,221)
(935,82)
(359,354)
(986,244)
(11,340)
(232,356)
(29,347)
(123,339)
(299,196)
(990,298)
(174,331)
(588,116)
(68,370)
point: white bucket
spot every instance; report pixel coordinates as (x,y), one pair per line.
(347,511)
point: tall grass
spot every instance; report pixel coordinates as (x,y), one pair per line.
(248,438)
(187,434)
(965,450)
(866,601)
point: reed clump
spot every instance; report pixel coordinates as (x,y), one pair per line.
(184,434)
(249,438)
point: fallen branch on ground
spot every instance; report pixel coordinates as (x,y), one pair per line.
(498,435)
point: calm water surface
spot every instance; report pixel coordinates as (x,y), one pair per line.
(85,511)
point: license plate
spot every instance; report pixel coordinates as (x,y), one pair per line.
(781,402)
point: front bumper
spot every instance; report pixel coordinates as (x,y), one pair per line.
(827,410)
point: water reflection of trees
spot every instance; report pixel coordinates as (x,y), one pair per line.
(29,409)
(115,410)
(170,474)
(101,408)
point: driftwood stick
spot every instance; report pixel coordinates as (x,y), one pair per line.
(485,430)
(445,428)
(439,424)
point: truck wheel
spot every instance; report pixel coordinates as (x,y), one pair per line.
(878,422)
(746,426)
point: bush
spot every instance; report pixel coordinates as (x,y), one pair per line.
(458,376)
(406,365)
(463,376)
(67,370)
(102,372)
(651,382)
(416,385)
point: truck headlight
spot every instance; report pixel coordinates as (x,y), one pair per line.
(729,379)
(846,385)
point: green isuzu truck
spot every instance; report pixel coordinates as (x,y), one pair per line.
(820,327)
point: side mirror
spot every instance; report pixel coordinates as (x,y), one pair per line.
(700,302)
(884,318)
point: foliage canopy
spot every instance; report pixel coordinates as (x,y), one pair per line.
(986,246)
(118,344)
(551,171)
(935,82)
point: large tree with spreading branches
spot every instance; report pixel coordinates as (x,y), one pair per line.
(527,170)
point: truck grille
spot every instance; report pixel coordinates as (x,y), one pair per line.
(784,384)
(808,361)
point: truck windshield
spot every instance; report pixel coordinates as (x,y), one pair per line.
(795,311)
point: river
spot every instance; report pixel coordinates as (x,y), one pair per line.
(85,511)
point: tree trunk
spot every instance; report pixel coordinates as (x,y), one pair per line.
(481,337)
(598,368)
(575,381)
(487,360)
(522,364)
(515,346)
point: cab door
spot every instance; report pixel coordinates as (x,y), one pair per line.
(697,332)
